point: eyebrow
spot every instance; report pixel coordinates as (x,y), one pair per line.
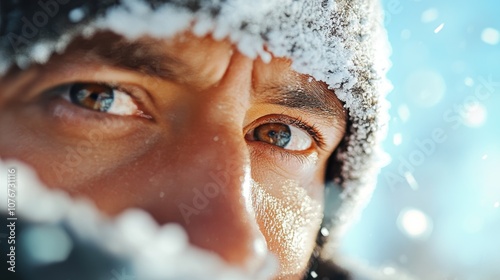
(309,97)
(143,57)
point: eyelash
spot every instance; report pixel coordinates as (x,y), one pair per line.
(60,90)
(312,130)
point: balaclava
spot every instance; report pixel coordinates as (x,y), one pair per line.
(340,42)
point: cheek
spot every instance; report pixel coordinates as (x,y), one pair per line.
(289,218)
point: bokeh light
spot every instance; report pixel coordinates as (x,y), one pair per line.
(397,139)
(490,36)
(414,223)
(404,112)
(429,15)
(47,244)
(425,87)
(474,115)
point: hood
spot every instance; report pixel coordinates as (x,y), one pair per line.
(340,42)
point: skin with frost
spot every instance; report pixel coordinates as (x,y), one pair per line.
(190,137)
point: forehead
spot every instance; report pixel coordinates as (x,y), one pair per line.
(201,62)
(194,62)
(184,58)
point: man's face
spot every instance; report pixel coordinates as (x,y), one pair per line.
(188,129)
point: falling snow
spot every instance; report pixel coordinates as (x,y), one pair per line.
(445,75)
(439,28)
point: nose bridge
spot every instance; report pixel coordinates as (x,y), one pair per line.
(216,201)
(219,143)
(217,154)
(229,99)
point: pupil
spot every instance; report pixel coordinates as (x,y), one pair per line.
(92,96)
(273,133)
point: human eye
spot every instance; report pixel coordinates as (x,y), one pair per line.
(285,132)
(100,97)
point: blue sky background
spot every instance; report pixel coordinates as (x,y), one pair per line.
(436,211)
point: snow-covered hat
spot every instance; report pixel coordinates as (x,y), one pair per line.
(340,42)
